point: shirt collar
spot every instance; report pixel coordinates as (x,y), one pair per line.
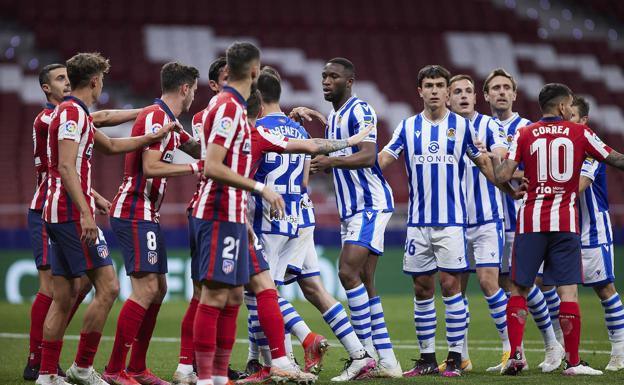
(236,94)
(80,103)
(50,106)
(166,108)
(549,119)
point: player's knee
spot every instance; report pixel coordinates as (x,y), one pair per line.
(450,285)
(348,278)
(108,292)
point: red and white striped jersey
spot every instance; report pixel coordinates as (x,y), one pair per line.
(139,197)
(552,151)
(70,121)
(40,142)
(198,135)
(263,141)
(226,125)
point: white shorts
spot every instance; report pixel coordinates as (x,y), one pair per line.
(429,249)
(366,229)
(278,251)
(304,263)
(507,251)
(484,245)
(598,265)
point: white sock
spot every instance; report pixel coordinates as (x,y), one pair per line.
(455,315)
(425,322)
(183,368)
(219,380)
(360,316)
(465,355)
(541,316)
(497,305)
(336,318)
(292,320)
(380,336)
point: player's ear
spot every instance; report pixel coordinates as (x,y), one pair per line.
(46,88)
(420,92)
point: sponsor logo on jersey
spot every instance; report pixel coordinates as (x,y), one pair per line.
(434,159)
(247,147)
(89,151)
(433,147)
(152,257)
(102,251)
(228,266)
(168,157)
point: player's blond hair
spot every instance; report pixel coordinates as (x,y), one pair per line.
(498,72)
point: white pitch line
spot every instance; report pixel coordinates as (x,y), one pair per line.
(397,344)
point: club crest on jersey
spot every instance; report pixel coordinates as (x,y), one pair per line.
(102,251)
(509,138)
(168,157)
(152,257)
(228,266)
(155,128)
(433,147)
(224,126)
(450,133)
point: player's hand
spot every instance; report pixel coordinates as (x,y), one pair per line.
(520,191)
(275,200)
(165,130)
(302,114)
(357,138)
(480,146)
(102,205)
(519,176)
(320,163)
(89,233)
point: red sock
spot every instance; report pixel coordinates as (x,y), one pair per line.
(271,321)
(205,339)
(128,324)
(516,318)
(570,320)
(87,347)
(142,340)
(74,309)
(38,313)
(226,325)
(50,354)
(186,334)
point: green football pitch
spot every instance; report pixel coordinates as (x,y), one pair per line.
(483,341)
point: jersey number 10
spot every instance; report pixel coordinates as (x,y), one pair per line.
(553,162)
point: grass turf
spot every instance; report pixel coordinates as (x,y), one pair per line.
(483,341)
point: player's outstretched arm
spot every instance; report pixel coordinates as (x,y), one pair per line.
(153,167)
(68,152)
(107,118)
(486,166)
(215,169)
(110,146)
(192,148)
(364,158)
(385,159)
(615,159)
(503,170)
(302,114)
(316,146)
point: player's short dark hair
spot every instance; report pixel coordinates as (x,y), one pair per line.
(215,68)
(459,77)
(346,63)
(174,74)
(433,71)
(44,74)
(272,71)
(582,105)
(83,66)
(495,73)
(551,94)
(254,103)
(239,57)
(269,86)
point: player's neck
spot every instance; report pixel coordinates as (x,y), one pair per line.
(52,100)
(341,102)
(503,115)
(85,95)
(468,115)
(435,115)
(242,86)
(273,108)
(174,103)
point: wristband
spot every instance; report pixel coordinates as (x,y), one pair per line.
(194,168)
(258,187)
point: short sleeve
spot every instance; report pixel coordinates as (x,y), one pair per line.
(496,139)
(184,137)
(595,147)
(397,144)
(515,149)
(364,116)
(222,128)
(154,121)
(270,142)
(590,168)
(471,150)
(71,124)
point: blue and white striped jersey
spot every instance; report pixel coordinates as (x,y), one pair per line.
(594,214)
(363,188)
(307,218)
(435,163)
(512,206)
(484,203)
(283,173)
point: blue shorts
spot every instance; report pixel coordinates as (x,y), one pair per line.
(193,248)
(257,260)
(560,252)
(72,258)
(222,251)
(39,239)
(142,245)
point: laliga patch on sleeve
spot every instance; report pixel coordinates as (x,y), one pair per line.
(155,128)
(224,127)
(68,130)
(197,131)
